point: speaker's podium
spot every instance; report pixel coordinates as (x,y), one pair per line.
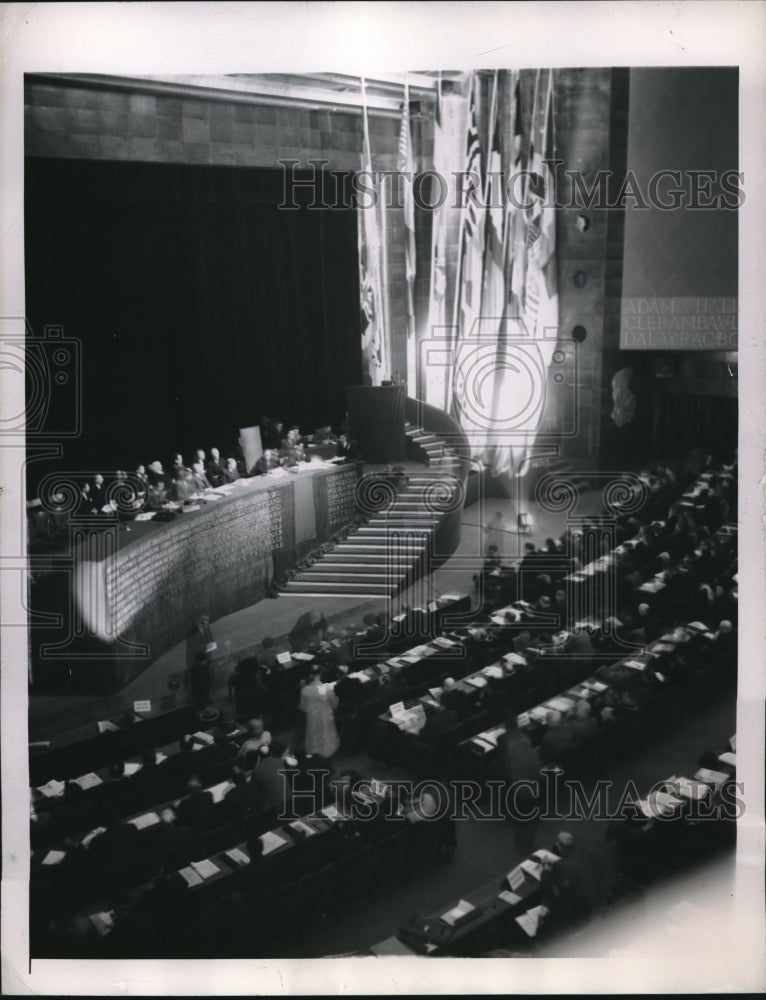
(376,421)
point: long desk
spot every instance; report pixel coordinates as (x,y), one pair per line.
(138,587)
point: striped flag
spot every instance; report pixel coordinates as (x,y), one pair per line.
(466,406)
(375,333)
(405,165)
(493,295)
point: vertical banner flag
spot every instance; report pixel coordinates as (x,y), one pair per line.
(509,373)
(372,269)
(539,307)
(434,388)
(405,166)
(470,387)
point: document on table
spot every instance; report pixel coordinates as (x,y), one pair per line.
(131,768)
(304,828)
(714,778)
(89,780)
(103,921)
(546,856)
(477,682)
(457,913)
(205,868)
(147,820)
(218,791)
(54,857)
(190,877)
(203,737)
(284,657)
(238,856)
(690,789)
(530,921)
(107,726)
(303,657)
(728,758)
(515,878)
(272,842)
(533,868)
(53,789)
(560,704)
(509,897)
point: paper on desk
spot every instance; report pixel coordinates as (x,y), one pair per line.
(146,515)
(545,856)
(451,597)
(159,757)
(218,791)
(238,856)
(92,835)
(560,704)
(690,789)
(477,682)
(142,706)
(147,820)
(284,657)
(54,857)
(444,642)
(397,710)
(714,778)
(435,693)
(131,768)
(103,921)
(107,726)
(533,868)
(89,780)
(539,713)
(530,921)
(203,737)
(634,665)
(461,910)
(303,657)
(493,735)
(509,897)
(303,828)
(728,758)
(515,878)
(205,868)
(598,686)
(190,877)
(481,744)
(271,841)
(493,671)
(53,789)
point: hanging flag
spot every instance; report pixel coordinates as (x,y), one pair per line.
(493,295)
(405,166)
(371,235)
(469,403)
(515,220)
(539,313)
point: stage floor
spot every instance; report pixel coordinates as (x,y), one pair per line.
(240,633)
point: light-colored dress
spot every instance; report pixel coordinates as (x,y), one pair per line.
(318,702)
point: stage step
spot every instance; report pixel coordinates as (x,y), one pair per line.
(362,568)
(296,588)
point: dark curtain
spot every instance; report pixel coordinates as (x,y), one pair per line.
(198,302)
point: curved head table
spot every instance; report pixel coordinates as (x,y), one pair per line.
(138,588)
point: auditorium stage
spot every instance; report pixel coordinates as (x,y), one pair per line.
(240,633)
